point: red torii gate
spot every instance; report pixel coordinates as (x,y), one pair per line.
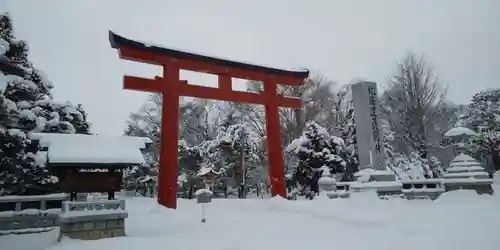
(172,88)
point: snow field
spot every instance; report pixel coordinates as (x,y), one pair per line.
(457,220)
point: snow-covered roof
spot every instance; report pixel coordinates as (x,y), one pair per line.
(458,131)
(117,42)
(46,139)
(203,191)
(72,148)
(205,170)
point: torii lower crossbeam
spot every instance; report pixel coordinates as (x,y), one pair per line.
(172,88)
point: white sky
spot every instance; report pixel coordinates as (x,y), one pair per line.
(343,40)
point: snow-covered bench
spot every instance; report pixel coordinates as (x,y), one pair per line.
(26,214)
(95,219)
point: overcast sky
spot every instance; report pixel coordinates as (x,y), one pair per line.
(343,40)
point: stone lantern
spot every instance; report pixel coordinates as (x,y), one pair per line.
(459,137)
(326,182)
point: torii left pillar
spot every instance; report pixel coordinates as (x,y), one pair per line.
(172,88)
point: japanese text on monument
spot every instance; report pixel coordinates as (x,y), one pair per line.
(372,94)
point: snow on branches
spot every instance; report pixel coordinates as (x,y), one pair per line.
(483,115)
(26,105)
(484,110)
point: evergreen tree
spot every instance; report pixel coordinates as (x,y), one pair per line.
(351,149)
(483,115)
(316,149)
(26,105)
(238,150)
(190,162)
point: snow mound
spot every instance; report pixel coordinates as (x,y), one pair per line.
(459,196)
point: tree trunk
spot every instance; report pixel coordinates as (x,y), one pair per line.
(241,184)
(190,192)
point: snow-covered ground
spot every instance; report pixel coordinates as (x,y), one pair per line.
(457,220)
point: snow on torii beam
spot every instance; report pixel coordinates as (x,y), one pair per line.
(172,88)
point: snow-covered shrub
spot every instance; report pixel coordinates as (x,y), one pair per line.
(413,167)
(435,167)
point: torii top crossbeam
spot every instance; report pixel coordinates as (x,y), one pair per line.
(172,88)
(154,55)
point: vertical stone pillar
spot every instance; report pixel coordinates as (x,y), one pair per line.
(368,129)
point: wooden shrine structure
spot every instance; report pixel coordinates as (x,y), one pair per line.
(90,163)
(209,177)
(172,88)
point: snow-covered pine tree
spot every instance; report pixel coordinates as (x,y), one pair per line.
(26,105)
(190,163)
(315,149)
(413,167)
(132,177)
(240,147)
(350,153)
(483,115)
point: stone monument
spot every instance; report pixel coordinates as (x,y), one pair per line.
(368,129)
